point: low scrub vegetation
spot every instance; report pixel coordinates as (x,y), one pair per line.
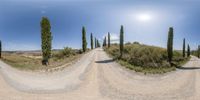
(66,52)
(32,61)
(147,59)
(196,52)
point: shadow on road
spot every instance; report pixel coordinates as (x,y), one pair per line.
(185,68)
(188,68)
(105,61)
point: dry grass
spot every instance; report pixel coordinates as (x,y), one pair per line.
(32,61)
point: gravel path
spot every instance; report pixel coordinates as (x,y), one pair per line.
(96,77)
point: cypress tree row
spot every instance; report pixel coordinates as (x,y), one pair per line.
(188,51)
(184,47)
(0,48)
(91,37)
(46,39)
(84,42)
(108,40)
(170,44)
(121,41)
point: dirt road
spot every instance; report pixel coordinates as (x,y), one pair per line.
(96,77)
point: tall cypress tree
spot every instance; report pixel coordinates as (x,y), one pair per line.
(95,43)
(170,44)
(98,45)
(108,40)
(188,51)
(121,41)
(84,42)
(0,48)
(46,39)
(184,47)
(105,41)
(91,37)
(198,51)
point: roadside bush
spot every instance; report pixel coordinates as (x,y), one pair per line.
(136,42)
(66,52)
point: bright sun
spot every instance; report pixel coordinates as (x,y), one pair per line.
(144,17)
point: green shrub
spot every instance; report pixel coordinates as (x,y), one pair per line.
(66,52)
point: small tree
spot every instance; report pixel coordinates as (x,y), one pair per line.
(184,47)
(188,51)
(46,39)
(91,37)
(84,42)
(121,41)
(170,44)
(0,48)
(108,40)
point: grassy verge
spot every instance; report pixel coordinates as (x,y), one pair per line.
(146,59)
(32,61)
(196,53)
(146,70)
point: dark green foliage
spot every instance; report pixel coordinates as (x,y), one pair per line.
(95,43)
(136,42)
(104,42)
(0,48)
(91,37)
(184,47)
(188,51)
(46,39)
(198,51)
(170,45)
(98,44)
(108,40)
(84,41)
(121,41)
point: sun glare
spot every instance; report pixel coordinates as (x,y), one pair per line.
(144,17)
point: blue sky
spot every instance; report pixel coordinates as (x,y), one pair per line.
(145,21)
